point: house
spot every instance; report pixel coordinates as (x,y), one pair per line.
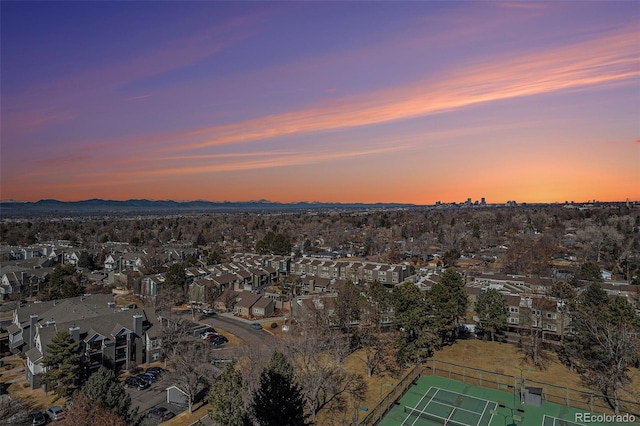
(264,307)
(151,284)
(244,303)
(12,278)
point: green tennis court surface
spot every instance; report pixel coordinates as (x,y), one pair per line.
(441,406)
(554,421)
(435,400)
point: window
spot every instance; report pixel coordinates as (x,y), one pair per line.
(551,315)
(513,310)
(552,327)
(513,320)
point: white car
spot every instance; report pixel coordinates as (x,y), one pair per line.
(55,413)
(207,334)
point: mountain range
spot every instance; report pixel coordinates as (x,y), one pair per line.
(98,206)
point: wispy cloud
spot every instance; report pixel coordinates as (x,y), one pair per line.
(135,98)
(607,60)
(88,84)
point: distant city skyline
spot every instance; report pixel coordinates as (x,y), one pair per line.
(347,102)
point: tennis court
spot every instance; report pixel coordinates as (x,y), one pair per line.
(444,407)
(555,421)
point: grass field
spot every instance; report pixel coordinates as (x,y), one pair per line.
(498,357)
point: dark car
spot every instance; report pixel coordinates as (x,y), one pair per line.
(154,370)
(136,382)
(211,337)
(38,419)
(220,340)
(161,413)
(256,326)
(148,377)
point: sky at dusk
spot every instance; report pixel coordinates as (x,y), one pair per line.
(411,102)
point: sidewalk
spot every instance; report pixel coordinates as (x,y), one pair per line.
(248,321)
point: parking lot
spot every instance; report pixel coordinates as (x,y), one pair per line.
(154,396)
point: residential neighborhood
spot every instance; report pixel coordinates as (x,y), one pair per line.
(129,307)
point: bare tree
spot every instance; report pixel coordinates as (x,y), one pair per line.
(12,412)
(326,385)
(85,411)
(378,349)
(532,339)
(193,369)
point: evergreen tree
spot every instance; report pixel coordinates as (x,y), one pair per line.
(417,339)
(175,277)
(86,261)
(454,283)
(104,388)
(200,241)
(278,400)
(588,271)
(273,243)
(63,283)
(62,364)
(442,313)
(225,397)
(492,310)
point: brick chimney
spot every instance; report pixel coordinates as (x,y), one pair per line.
(33,320)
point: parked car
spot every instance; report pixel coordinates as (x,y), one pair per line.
(150,378)
(55,413)
(220,340)
(161,413)
(154,370)
(256,326)
(204,333)
(209,311)
(208,334)
(38,419)
(212,336)
(136,382)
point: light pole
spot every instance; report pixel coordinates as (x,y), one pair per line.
(522,370)
(504,416)
(384,384)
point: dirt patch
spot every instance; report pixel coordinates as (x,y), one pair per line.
(14,372)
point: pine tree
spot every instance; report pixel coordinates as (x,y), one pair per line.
(492,310)
(442,313)
(225,398)
(62,364)
(278,400)
(453,281)
(104,388)
(417,339)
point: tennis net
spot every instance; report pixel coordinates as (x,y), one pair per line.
(434,417)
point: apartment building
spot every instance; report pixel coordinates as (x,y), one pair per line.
(116,338)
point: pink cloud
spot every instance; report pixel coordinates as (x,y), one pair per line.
(605,61)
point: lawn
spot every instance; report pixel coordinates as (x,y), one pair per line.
(499,357)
